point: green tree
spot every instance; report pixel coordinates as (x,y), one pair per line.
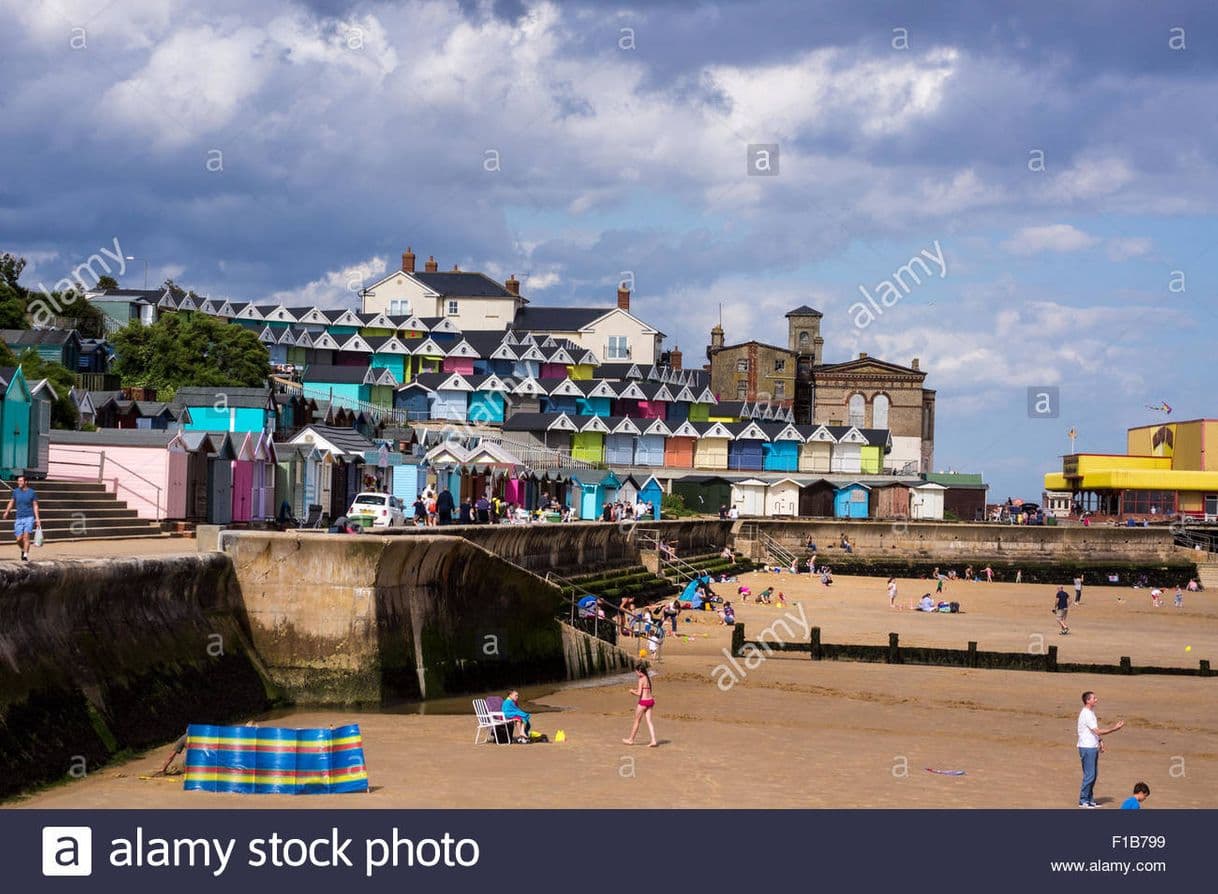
(189,349)
(35,368)
(107,282)
(85,316)
(13,295)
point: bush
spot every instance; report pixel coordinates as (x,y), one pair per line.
(673,506)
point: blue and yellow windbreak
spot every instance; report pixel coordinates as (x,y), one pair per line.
(275,760)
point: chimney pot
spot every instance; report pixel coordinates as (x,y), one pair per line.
(456,269)
(623,298)
(408,260)
(431,266)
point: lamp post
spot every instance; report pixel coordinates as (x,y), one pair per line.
(145,260)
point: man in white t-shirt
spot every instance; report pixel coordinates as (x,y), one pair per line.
(1090,747)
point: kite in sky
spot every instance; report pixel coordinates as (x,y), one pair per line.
(1162,407)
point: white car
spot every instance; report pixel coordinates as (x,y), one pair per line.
(377,510)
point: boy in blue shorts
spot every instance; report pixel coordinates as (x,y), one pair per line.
(26,502)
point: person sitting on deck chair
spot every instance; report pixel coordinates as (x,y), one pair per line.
(522,720)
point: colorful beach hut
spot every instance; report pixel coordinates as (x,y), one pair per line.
(649,447)
(588,443)
(620,441)
(681,446)
(851,500)
(711,449)
(703,493)
(652,492)
(748,496)
(816,451)
(746,449)
(782,498)
(781,452)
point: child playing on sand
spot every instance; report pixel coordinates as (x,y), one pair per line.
(728,615)
(1156,597)
(764,595)
(1178,599)
(782,600)
(744,592)
(892,592)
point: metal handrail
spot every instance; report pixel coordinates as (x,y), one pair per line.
(101,479)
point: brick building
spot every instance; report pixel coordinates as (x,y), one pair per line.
(865,392)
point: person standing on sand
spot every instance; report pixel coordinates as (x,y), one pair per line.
(989,574)
(1061,607)
(1078,589)
(1019,577)
(28,519)
(892,592)
(644,708)
(1090,747)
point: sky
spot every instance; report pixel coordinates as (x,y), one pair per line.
(1058,161)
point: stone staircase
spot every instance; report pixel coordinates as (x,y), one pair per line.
(708,563)
(77,510)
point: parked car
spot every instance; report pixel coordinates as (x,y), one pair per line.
(374,510)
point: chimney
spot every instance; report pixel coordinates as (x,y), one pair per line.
(674,358)
(431,266)
(914,365)
(862,355)
(408,260)
(456,269)
(623,298)
(716,337)
(512,284)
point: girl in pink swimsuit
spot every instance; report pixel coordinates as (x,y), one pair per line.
(646,703)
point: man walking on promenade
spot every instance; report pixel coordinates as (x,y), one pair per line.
(1090,747)
(28,518)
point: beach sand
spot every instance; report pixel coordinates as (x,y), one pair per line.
(797,733)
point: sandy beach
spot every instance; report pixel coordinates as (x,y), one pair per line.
(797,733)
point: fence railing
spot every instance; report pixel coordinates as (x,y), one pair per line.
(971,657)
(99,463)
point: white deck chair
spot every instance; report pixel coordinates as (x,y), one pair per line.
(491,720)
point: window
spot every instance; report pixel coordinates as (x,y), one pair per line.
(1148,502)
(879,411)
(780,390)
(742,366)
(618,348)
(742,390)
(780,365)
(858,409)
(803,341)
(452,308)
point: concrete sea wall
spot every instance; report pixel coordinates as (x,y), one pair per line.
(370,619)
(579,547)
(967,542)
(100,655)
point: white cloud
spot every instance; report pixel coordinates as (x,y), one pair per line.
(193,83)
(1052,237)
(335,288)
(1123,249)
(1092,177)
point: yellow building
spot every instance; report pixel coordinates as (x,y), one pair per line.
(1166,471)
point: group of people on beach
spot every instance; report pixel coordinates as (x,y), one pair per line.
(520,722)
